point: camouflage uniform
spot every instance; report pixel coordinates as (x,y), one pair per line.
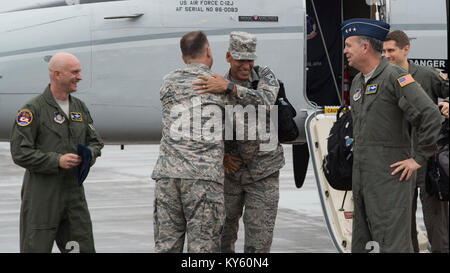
(383,109)
(189,172)
(53,205)
(255,185)
(435,212)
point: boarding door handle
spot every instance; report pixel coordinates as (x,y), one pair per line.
(132,16)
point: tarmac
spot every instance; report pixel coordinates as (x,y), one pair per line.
(119,192)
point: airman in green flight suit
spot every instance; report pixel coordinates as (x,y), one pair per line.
(44,141)
(386,102)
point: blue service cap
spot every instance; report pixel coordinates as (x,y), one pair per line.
(365,27)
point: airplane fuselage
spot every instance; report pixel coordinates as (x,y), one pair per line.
(126,47)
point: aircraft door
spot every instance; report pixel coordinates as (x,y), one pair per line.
(337,205)
(128,59)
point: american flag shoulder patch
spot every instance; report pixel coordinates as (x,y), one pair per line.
(405,80)
(443,76)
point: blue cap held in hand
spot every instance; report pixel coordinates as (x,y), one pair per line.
(85,166)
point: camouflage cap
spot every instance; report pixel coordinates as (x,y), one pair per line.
(242,45)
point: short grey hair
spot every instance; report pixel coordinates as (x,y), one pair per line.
(375,44)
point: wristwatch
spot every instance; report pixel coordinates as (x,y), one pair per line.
(230,88)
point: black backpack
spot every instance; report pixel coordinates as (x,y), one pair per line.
(436,182)
(337,164)
(287,129)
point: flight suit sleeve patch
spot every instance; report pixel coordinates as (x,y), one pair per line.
(405,80)
(269,77)
(443,76)
(24,117)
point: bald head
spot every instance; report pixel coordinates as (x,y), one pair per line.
(64,69)
(60,60)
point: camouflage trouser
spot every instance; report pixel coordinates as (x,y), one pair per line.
(435,216)
(195,207)
(260,199)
